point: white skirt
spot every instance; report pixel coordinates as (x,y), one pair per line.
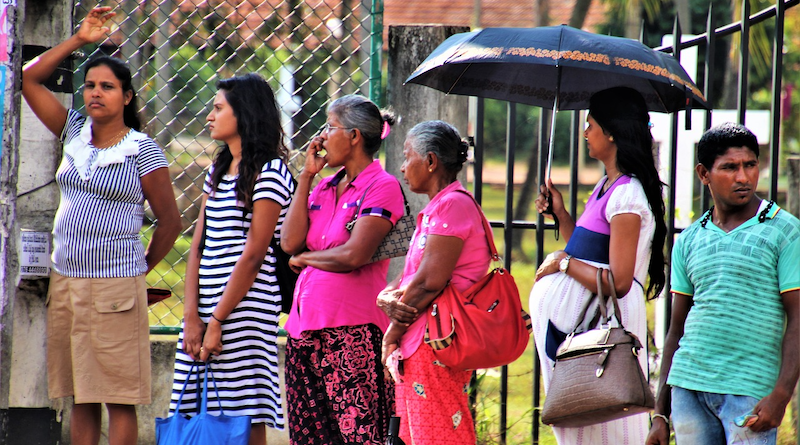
(559,299)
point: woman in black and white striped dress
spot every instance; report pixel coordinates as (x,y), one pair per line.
(232,300)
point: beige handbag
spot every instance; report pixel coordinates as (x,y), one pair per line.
(397,241)
(597,377)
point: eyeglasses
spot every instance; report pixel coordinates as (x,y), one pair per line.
(326,129)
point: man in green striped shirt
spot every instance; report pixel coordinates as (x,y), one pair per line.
(730,361)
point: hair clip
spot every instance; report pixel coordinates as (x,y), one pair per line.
(650,125)
(386,129)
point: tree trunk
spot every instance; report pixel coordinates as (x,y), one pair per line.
(542,16)
(578,17)
(526,196)
(684,15)
(476,14)
(633,19)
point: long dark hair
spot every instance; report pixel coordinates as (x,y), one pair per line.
(121,71)
(258,125)
(622,113)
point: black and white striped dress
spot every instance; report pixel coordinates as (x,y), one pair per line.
(246,372)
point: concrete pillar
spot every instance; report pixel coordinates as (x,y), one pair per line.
(9,126)
(408,47)
(29,200)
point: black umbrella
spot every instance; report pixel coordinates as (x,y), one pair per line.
(558,67)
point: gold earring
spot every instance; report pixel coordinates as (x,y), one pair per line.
(611,138)
(430,170)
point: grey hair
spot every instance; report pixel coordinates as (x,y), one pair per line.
(358,112)
(443,140)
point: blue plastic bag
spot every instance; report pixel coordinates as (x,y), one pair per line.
(204,428)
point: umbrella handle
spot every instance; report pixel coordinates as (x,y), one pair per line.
(549,211)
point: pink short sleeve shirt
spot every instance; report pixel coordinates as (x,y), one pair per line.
(450,213)
(332,299)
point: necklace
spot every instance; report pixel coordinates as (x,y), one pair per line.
(762,216)
(609,182)
(115,139)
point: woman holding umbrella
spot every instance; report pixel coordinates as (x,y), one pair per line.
(622,229)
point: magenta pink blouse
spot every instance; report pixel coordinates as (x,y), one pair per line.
(450,213)
(332,299)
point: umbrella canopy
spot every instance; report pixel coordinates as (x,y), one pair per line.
(537,65)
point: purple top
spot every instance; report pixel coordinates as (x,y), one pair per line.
(592,235)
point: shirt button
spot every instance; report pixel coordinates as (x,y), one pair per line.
(113,306)
(323,236)
(444,225)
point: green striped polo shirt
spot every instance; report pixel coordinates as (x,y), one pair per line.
(733,332)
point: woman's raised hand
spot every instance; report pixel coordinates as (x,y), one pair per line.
(92,28)
(314,163)
(556,200)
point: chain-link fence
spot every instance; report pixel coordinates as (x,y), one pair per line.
(309,51)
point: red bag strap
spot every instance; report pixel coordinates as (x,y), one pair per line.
(486,226)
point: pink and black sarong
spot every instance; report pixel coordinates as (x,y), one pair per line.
(336,390)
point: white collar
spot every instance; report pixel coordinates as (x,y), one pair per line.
(86,157)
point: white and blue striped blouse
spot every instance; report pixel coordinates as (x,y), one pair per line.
(97,225)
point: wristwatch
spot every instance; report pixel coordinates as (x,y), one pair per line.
(563,265)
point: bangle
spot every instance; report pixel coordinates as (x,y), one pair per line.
(659,416)
(215,318)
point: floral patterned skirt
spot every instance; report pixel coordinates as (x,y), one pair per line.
(336,391)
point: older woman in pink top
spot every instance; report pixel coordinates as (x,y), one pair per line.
(449,245)
(335,385)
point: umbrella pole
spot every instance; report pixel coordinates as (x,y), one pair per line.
(551,142)
(550,146)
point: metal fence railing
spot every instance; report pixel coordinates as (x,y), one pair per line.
(706,45)
(314,51)
(310,52)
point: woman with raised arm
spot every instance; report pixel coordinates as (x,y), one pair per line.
(335,385)
(98,339)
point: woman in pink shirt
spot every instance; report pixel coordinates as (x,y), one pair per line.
(336,390)
(449,245)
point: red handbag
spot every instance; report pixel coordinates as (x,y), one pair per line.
(483,327)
